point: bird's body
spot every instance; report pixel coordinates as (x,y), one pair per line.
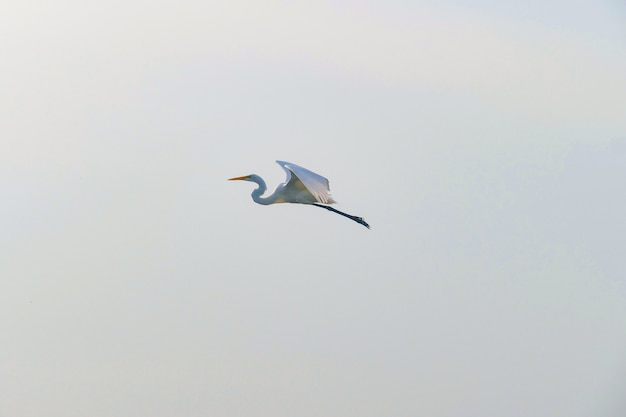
(302,186)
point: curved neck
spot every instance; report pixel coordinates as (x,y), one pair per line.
(258,192)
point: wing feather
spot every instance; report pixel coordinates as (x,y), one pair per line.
(300,179)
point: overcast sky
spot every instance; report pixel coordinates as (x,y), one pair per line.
(485,143)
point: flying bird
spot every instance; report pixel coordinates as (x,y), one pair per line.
(302,186)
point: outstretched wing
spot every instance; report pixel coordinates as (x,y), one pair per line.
(300,179)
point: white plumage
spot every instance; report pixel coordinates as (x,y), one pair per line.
(301,186)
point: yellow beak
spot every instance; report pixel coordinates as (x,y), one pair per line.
(239,178)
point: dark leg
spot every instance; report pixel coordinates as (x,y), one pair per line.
(355,218)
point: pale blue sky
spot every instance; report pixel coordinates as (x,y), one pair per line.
(485,143)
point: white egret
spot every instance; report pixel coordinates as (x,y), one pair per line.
(302,186)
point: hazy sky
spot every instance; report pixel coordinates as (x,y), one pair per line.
(484,142)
